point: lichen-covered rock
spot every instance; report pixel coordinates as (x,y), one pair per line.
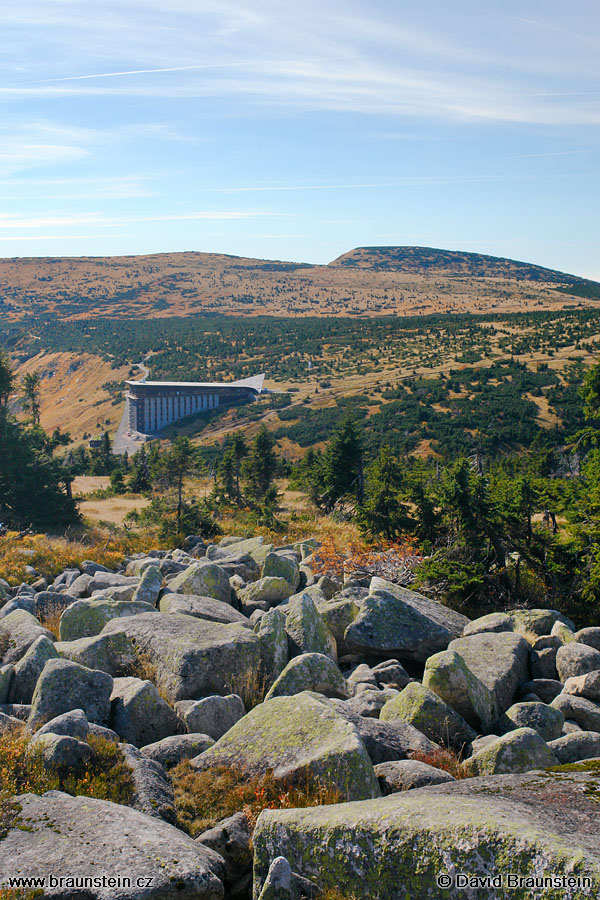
(295,737)
(152,787)
(399,846)
(51,602)
(428,713)
(499,660)
(205,579)
(8,722)
(73,723)
(239,564)
(201,608)
(392,674)
(282,567)
(545,688)
(338,613)
(65,685)
(564,633)
(137,567)
(546,720)
(587,686)
(172,750)
(83,838)
(213,715)
(193,657)
(29,668)
(232,839)
(518,751)
(588,636)
(86,618)
(310,672)
(585,712)
(139,714)
(279,883)
(264,593)
(6,676)
(273,640)
(574,747)
(576,659)
(61,752)
(537,621)
(22,630)
(370,703)
(448,676)
(362,674)
(407,774)
(386,741)
(398,622)
(306,630)
(148,589)
(542,664)
(105,580)
(492,622)
(112,653)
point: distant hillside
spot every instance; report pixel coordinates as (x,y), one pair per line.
(430,261)
(368,281)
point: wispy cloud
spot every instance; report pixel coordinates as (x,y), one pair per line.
(143,72)
(10,221)
(339,56)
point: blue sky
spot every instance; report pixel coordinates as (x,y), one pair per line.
(298,130)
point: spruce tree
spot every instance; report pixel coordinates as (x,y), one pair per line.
(34,485)
(383,512)
(260,466)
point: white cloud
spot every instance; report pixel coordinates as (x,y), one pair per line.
(344,55)
(27,222)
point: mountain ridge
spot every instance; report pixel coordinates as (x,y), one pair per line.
(367,281)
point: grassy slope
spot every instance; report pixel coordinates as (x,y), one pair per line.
(366,281)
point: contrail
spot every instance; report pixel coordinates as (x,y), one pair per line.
(143,72)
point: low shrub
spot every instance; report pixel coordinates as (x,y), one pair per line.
(204,798)
(107,776)
(446,759)
(52,555)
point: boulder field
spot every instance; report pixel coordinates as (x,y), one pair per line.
(455,749)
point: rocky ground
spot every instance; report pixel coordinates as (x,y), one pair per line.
(458,748)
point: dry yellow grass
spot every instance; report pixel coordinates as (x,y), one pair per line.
(52,555)
(112,509)
(71,393)
(199,282)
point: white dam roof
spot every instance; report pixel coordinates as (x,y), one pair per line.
(254,383)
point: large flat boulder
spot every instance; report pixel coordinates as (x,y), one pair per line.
(193,657)
(401,845)
(112,653)
(205,579)
(201,608)
(86,618)
(499,660)
(295,737)
(83,838)
(394,621)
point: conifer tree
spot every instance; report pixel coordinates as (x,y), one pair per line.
(383,511)
(260,466)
